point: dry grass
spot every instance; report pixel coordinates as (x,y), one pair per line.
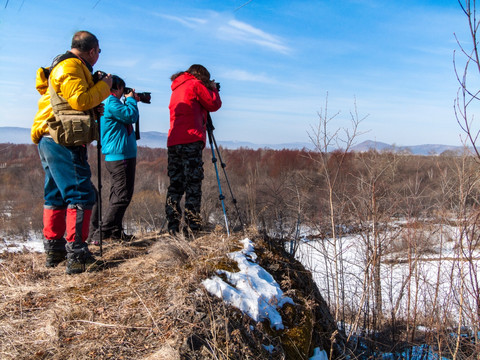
(148,304)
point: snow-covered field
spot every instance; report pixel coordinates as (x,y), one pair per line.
(9,243)
(438,281)
(432,276)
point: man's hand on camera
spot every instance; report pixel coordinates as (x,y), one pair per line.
(133,94)
(108,79)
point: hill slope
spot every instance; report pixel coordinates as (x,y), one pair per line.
(149,304)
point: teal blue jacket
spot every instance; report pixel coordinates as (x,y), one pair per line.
(115,124)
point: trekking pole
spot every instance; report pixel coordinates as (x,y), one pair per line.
(210,129)
(99,185)
(214,161)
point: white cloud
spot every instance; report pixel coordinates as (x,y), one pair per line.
(189,22)
(242,75)
(228,29)
(248,33)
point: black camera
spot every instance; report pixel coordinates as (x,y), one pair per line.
(144,97)
(218,86)
(98,75)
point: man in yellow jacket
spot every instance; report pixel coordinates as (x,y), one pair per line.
(69,194)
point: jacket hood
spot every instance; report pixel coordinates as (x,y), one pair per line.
(182,79)
(41,81)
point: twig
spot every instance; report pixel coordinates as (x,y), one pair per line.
(111,325)
(13,275)
(149,313)
(238,8)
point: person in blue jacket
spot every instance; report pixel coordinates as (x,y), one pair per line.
(119,145)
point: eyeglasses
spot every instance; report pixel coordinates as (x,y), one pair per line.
(99,50)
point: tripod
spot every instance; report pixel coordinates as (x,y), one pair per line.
(99,185)
(214,147)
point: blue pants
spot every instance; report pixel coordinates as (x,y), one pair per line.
(67,175)
(69,196)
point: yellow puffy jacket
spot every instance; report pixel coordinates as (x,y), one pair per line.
(73,81)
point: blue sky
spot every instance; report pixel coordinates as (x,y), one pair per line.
(276,61)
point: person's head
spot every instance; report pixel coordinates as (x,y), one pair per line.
(118,85)
(199,71)
(85,44)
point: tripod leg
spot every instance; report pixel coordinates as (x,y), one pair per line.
(99,197)
(226,177)
(221,197)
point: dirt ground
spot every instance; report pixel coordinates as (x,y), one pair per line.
(147,304)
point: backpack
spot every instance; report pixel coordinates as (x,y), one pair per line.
(69,127)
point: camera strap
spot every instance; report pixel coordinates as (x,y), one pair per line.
(58,59)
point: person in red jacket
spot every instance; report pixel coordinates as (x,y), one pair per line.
(194,95)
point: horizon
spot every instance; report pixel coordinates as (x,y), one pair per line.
(226,143)
(278,67)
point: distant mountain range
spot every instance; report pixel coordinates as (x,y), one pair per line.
(426,149)
(155,139)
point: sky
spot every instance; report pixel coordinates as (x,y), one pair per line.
(280,63)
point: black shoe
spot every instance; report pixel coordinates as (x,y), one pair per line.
(90,264)
(94,238)
(191,233)
(54,258)
(120,235)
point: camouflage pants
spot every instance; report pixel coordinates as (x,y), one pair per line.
(185,170)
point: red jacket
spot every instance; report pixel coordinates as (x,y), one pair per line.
(190,102)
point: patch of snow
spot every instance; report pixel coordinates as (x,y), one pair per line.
(17,244)
(252,290)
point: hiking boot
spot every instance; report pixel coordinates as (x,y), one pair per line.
(120,235)
(127,237)
(54,257)
(191,234)
(94,239)
(89,264)
(55,251)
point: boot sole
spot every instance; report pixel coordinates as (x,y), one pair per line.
(73,272)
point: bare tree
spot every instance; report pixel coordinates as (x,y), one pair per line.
(330,165)
(468,95)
